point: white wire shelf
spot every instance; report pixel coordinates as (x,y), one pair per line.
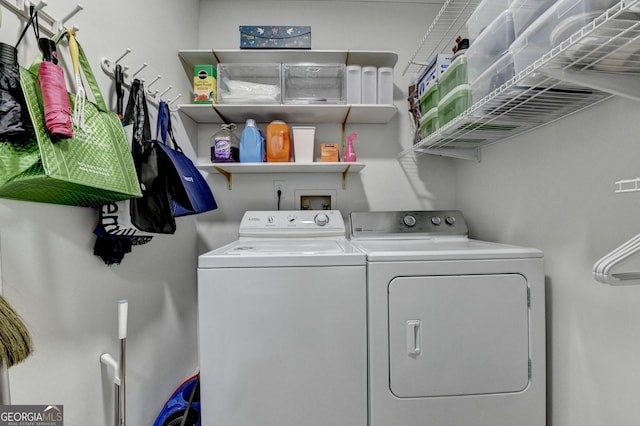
(627,185)
(600,60)
(448,24)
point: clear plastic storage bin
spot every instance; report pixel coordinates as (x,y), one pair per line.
(314,83)
(429,123)
(455,103)
(455,75)
(484,14)
(525,12)
(494,77)
(491,45)
(249,83)
(553,27)
(430,98)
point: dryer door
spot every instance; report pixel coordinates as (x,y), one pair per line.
(458,335)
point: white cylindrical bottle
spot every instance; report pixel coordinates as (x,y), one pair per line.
(385,85)
(354,84)
(369,85)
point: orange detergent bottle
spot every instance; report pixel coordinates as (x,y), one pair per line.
(278,142)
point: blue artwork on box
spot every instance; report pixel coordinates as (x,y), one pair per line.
(275,37)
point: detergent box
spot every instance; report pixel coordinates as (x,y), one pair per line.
(431,74)
(204,84)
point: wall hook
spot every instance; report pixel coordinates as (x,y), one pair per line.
(60,24)
(174,99)
(166,90)
(158,77)
(41,5)
(144,65)
(126,52)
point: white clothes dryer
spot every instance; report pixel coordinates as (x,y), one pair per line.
(282,324)
(456,325)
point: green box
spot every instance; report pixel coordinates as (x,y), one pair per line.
(454,76)
(455,103)
(204,84)
(429,123)
(430,98)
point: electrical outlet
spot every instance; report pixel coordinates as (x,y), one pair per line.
(278,185)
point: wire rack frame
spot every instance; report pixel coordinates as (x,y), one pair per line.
(447,25)
(547,90)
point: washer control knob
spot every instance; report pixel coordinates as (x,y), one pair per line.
(321,219)
(436,220)
(450,220)
(409,220)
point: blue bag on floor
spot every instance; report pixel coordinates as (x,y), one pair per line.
(183,407)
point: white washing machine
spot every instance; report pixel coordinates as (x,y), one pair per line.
(456,325)
(282,324)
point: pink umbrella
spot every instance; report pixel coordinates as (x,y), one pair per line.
(57,109)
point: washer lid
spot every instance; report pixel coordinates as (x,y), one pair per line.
(265,252)
(451,248)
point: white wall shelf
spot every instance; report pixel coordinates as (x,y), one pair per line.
(264,113)
(563,81)
(311,113)
(229,169)
(308,113)
(358,57)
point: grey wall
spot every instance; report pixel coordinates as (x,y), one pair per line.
(554,189)
(335,25)
(66,295)
(551,189)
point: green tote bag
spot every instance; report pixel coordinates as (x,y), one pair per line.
(92,168)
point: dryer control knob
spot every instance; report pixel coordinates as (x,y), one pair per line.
(450,220)
(321,219)
(436,220)
(409,220)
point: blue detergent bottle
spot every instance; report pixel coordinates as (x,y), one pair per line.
(251,143)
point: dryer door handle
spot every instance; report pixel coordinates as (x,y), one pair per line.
(413,338)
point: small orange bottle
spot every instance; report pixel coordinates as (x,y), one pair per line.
(278,142)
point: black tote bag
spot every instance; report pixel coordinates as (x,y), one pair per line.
(152,212)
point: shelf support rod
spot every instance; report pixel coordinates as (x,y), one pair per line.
(344,177)
(226,174)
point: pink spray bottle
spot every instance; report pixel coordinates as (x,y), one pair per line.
(349,152)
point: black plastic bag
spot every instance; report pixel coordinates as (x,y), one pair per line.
(152,212)
(15,125)
(14,122)
(111,248)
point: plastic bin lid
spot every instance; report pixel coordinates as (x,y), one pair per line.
(457,92)
(432,87)
(429,115)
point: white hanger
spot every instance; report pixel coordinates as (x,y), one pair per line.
(603,269)
(600,265)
